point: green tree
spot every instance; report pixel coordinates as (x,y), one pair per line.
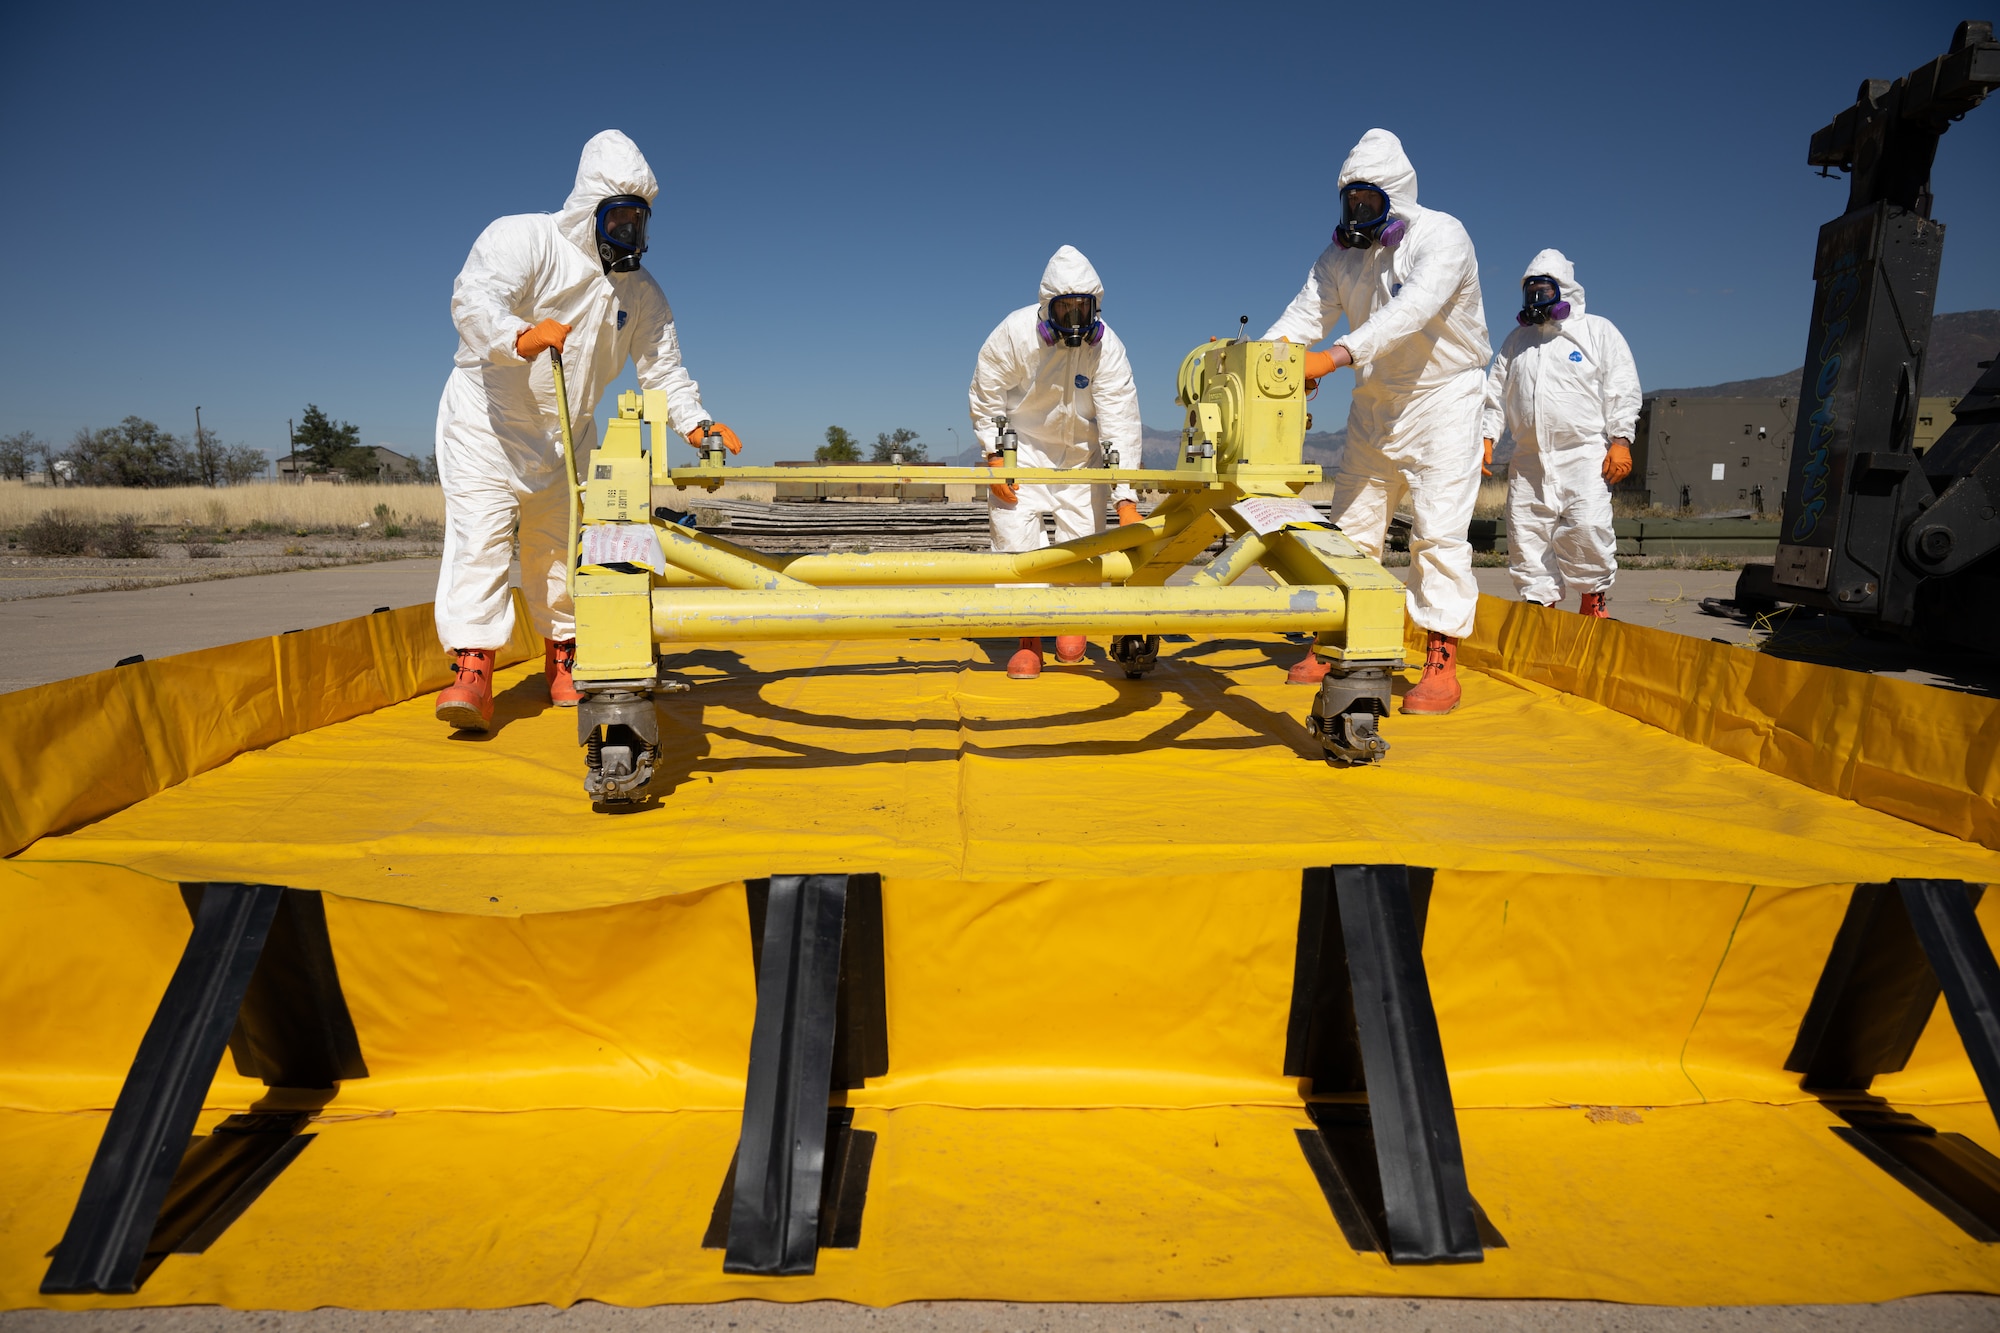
(332,446)
(240,463)
(840,447)
(901,441)
(135,452)
(359,464)
(17,454)
(206,452)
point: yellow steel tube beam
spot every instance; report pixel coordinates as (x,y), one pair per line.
(1237,559)
(890,568)
(762,559)
(720,615)
(1122,538)
(1263,479)
(888,473)
(684,550)
(1095,558)
(924,568)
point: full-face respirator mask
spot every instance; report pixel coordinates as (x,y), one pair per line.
(1072,317)
(621,232)
(1541,301)
(1365,220)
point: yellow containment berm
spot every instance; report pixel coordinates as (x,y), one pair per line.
(1660,971)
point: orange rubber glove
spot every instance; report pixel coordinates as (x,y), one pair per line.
(1617,462)
(729,440)
(1128,513)
(1486,466)
(531,343)
(1321,364)
(1003,491)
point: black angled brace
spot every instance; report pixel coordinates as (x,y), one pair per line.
(256,977)
(1941,915)
(821,1024)
(1362,1022)
(1899,946)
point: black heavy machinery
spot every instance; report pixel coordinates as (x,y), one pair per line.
(1895,542)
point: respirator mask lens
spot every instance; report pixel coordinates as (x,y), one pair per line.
(621,231)
(626,226)
(1362,206)
(1540,293)
(1072,316)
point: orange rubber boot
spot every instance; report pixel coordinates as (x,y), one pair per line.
(1027,663)
(1597,605)
(1437,691)
(1070,648)
(1308,670)
(558,660)
(467,703)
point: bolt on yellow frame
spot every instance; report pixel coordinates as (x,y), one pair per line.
(1237,478)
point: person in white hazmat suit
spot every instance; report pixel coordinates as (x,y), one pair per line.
(568,281)
(1407,280)
(1564,384)
(1060,377)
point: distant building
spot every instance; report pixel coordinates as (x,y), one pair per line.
(1697,455)
(1712,455)
(390,467)
(1933,419)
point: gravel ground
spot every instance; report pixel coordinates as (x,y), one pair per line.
(23,575)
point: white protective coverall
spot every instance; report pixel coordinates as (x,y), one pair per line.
(1070,406)
(1417,333)
(499,441)
(1565,390)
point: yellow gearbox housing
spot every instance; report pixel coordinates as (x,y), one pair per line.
(1246,405)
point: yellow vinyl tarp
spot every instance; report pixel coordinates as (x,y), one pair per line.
(1085,1100)
(1090,901)
(79,749)
(925,761)
(1926,755)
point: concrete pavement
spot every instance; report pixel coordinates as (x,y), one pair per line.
(54,638)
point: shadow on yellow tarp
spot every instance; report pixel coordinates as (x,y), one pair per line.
(79,749)
(1927,755)
(922,760)
(1091,904)
(1085,1100)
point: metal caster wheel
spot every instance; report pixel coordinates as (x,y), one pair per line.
(1137,653)
(620,733)
(1347,712)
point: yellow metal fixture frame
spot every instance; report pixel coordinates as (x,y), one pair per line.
(1239,471)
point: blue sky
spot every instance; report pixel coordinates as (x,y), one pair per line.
(249,208)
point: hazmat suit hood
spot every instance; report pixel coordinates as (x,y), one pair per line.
(1379,159)
(1554,264)
(1069,274)
(611,164)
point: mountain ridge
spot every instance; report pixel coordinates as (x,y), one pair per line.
(1960,340)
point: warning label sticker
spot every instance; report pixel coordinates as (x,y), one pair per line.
(1267,513)
(623,544)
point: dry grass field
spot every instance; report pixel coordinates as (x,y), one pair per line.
(309,508)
